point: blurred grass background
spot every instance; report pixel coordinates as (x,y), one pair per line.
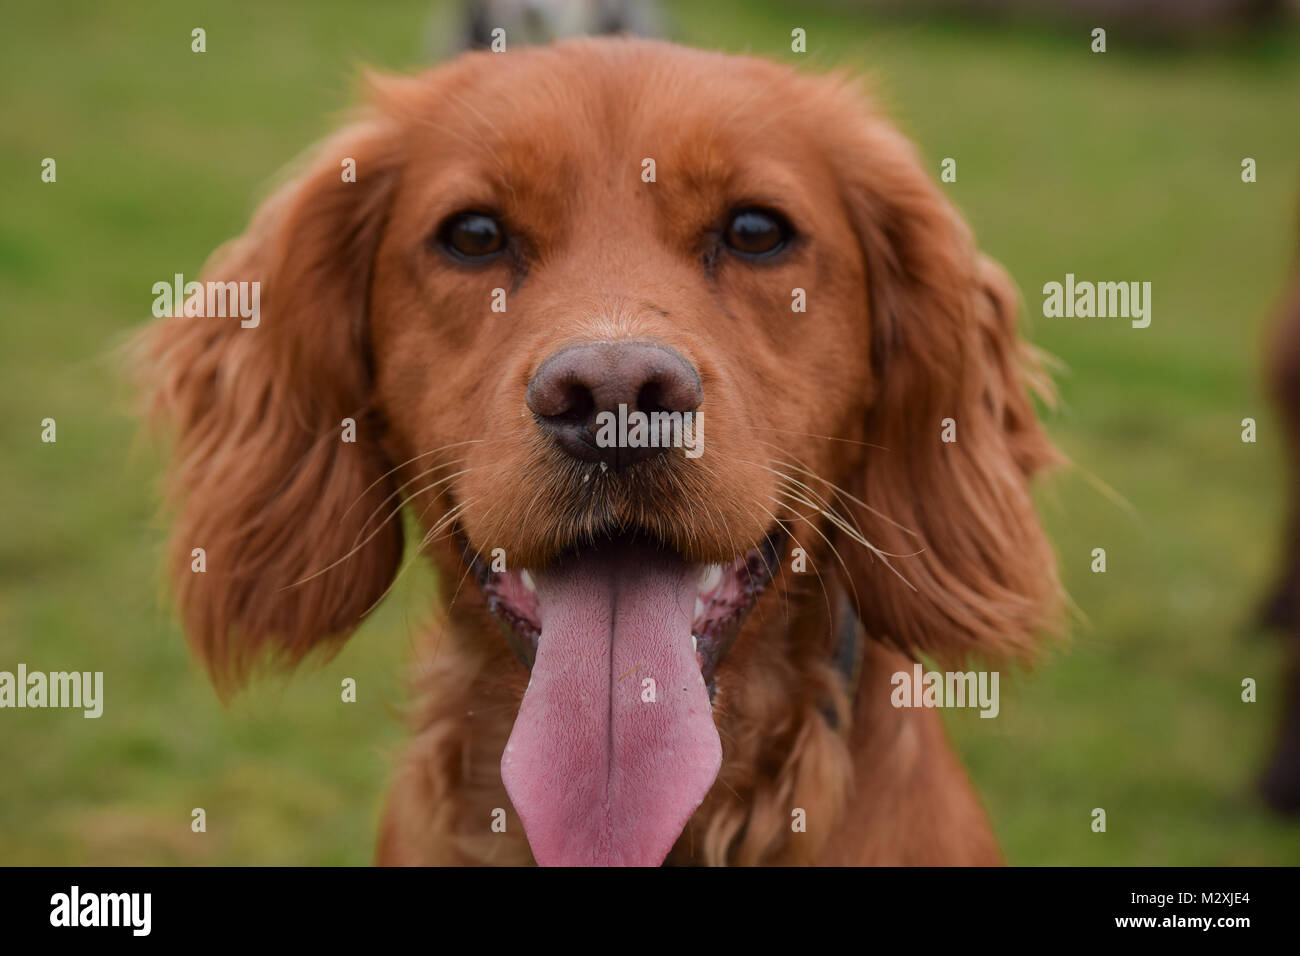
(1122,166)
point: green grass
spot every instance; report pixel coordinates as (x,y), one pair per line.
(1116,166)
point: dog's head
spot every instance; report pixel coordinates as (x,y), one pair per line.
(520,277)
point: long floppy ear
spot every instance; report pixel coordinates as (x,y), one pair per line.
(261,477)
(979,576)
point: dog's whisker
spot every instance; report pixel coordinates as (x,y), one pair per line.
(883,556)
(821,504)
(776,520)
(380,527)
(429,538)
(784,591)
(861,539)
(846,528)
(398,490)
(834,550)
(824,507)
(447,516)
(835,489)
(469,564)
(840,491)
(798,544)
(411,460)
(847,441)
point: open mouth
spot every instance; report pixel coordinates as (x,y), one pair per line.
(724,595)
(614,746)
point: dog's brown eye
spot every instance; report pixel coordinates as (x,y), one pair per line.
(472,235)
(756,232)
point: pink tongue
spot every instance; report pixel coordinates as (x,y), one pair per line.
(599,773)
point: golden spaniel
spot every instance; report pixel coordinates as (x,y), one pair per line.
(680,653)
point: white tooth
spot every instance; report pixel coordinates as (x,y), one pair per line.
(710,577)
(699,609)
(527,580)
(695,643)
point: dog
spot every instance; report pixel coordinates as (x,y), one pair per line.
(640,656)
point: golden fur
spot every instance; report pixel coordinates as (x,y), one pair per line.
(836,410)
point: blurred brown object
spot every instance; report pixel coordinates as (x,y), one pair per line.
(1280,784)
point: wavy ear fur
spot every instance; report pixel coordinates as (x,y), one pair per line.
(260,476)
(944,346)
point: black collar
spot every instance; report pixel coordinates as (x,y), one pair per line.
(846,650)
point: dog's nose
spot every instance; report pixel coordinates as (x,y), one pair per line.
(572,388)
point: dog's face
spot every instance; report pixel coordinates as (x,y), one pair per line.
(527,174)
(537,248)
